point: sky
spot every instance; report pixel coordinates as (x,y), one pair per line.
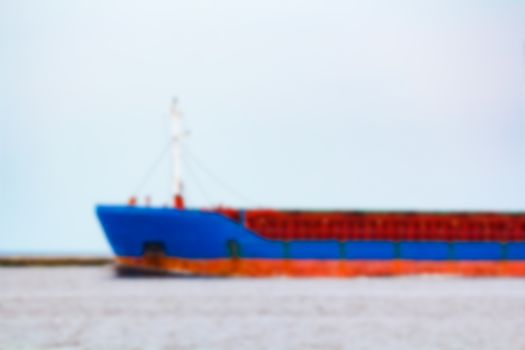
(290,104)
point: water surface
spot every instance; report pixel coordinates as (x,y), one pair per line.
(89,308)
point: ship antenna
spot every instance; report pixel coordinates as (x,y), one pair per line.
(177,134)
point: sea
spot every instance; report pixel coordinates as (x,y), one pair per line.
(94,308)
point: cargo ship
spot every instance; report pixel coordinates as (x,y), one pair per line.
(308,243)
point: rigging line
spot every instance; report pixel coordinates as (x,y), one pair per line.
(220,181)
(147,175)
(197,181)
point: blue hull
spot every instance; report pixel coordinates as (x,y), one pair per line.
(196,234)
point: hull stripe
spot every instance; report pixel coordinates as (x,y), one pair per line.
(322,268)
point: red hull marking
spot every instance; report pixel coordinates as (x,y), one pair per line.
(323,268)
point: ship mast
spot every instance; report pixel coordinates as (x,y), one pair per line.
(176,145)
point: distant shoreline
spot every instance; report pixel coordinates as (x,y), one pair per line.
(25,261)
